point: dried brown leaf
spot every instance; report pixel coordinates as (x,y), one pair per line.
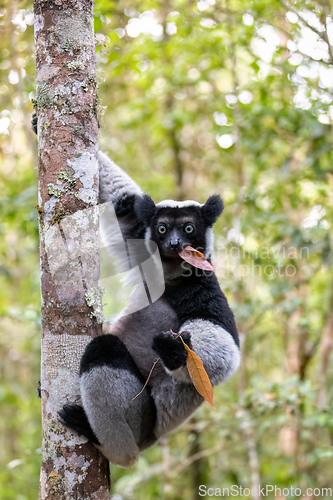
(196,258)
(199,375)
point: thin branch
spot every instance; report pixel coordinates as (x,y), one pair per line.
(321,34)
(149,375)
(193,458)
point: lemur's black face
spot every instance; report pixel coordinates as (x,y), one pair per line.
(173,229)
(175,225)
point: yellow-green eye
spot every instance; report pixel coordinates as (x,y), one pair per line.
(189,228)
(162,229)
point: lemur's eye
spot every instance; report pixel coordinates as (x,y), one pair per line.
(162,229)
(189,228)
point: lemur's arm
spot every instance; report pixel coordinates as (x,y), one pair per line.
(114,184)
(215,347)
(117,187)
(122,232)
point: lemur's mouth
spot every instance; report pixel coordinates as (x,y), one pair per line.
(195,258)
(172,254)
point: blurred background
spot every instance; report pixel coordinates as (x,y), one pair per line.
(232,97)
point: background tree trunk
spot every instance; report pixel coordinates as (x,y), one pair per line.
(66,103)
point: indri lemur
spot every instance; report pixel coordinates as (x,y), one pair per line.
(115,366)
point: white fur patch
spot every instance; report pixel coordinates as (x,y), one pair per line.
(180,374)
(151,246)
(147,238)
(178,204)
(209,242)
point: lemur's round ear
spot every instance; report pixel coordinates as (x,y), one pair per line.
(144,208)
(212,209)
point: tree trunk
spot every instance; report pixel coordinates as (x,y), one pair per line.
(66,104)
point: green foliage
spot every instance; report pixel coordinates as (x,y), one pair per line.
(203,97)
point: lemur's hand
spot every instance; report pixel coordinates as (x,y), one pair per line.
(34,121)
(171,349)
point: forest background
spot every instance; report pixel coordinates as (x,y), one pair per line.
(233,97)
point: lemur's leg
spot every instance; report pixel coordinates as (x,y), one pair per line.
(74,416)
(109,380)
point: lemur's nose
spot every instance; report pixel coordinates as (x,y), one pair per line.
(174,244)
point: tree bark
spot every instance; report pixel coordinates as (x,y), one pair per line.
(66,102)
